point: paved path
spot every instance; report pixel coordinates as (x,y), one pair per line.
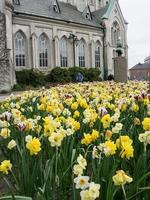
(4,96)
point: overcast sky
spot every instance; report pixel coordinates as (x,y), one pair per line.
(137,14)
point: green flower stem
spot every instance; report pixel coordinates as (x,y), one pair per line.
(10,187)
(124,192)
(56,167)
(17,183)
(145,147)
(73,186)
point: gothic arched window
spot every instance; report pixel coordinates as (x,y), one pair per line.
(97,55)
(81,53)
(20,49)
(43,51)
(115,33)
(63,53)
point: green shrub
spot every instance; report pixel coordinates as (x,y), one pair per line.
(65,75)
(59,75)
(30,77)
(74,70)
(92,74)
(18,87)
(33,78)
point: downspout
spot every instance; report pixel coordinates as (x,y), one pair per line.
(104,47)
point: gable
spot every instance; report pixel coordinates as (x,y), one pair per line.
(87,13)
(55,6)
(114,10)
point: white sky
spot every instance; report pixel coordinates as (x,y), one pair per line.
(137,14)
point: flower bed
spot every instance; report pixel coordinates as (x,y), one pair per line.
(78,141)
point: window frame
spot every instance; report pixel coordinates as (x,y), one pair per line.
(43,51)
(63,52)
(81,53)
(20,49)
(97,55)
(115,33)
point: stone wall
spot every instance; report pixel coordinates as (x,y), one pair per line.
(120,69)
(4,58)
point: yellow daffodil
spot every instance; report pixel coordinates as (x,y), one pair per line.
(109,148)
(5,133)
(146,124)
(5,166)
(121,178)
(106,120)
(34,146)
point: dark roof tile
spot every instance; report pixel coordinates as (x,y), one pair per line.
(69,13)
(141,66)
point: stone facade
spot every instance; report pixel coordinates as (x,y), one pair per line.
(5,83)
(94,31)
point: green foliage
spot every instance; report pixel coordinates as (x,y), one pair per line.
(65,75)
(26,78)
(19,87)
(15,197)
(30,77)
(59,75)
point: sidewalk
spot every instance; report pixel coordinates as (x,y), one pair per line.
(4,96)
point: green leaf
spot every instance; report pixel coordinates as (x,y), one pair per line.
(73,155)
(143,178)
(16,198)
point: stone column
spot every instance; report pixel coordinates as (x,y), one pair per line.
(120,69)
(57,52)
(5,79)
(92,54)
(76,55)
(34,51)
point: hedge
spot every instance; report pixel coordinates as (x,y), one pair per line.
(56,75)
(65,75)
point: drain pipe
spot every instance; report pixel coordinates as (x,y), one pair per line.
(104,56)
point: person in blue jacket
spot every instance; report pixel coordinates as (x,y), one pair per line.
(79,77)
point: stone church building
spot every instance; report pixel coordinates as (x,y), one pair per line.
(43,34)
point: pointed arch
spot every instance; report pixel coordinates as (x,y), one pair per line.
(81,53)
(34,35)
(20,49)
(97,54)
(115,33)
(63,45)
(43,50)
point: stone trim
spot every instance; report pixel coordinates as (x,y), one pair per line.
(5,83)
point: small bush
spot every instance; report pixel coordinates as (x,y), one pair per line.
(18,87)
(93,74)
(59,75)
(30,77)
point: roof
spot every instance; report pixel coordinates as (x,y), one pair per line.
(69,13)
(141,66)
(98,14)
(108,11)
